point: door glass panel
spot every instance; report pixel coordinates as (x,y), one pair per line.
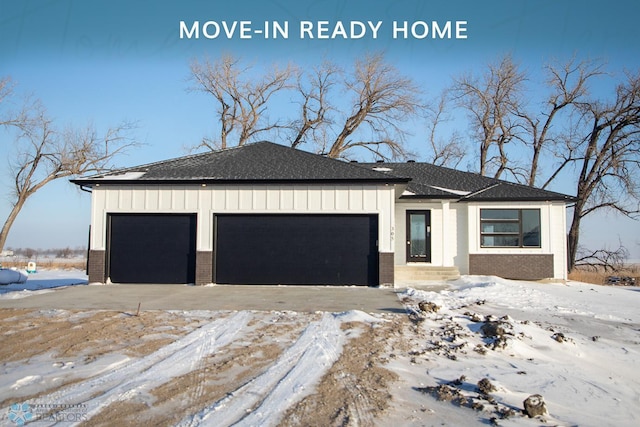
(418,235)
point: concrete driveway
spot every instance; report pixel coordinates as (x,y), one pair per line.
(220,297)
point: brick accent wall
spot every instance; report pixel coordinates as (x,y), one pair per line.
(96,266)
(204,267)
(386,269)
(520,267)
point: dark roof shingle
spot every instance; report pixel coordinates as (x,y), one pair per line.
(266,162)
(257,162)
(437,182)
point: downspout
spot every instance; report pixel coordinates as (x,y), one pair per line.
(87,190)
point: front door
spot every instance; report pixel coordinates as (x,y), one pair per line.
(418,236)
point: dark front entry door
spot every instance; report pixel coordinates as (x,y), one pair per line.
(418,236)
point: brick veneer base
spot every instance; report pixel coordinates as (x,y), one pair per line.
(204,267)
(96,266)
(520,267)
(385,266)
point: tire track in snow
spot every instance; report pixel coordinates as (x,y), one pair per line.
(197,365)
(177,358)
(359,413)
(264,399)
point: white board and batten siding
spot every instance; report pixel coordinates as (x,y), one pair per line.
(448,232)
(207,200)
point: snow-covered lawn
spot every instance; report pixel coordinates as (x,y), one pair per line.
(576,345)
(42,282)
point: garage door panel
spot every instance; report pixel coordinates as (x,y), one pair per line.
(297,249)
(152,248)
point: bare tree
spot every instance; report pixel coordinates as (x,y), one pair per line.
(45,153)
(568,85)
(450,150)
(242,99)
(609,158)
(597,139)
(5,92)
(64,253)
(381,100)
(339,111)
(342,111)
(492,102)
(314,89)
(9,117)
(606,259)
(30,253)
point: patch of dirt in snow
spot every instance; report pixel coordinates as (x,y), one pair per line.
(69,342)
(66,334)
(455,358)
(201,368)
(356,388)
(211,378)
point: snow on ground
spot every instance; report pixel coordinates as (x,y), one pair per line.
(467,355)
(577,345)
(291,377)
(42,282)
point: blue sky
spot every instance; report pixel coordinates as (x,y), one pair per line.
(107,61)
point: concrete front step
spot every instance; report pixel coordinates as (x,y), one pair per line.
(425,272)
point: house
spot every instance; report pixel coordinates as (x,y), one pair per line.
(264,213)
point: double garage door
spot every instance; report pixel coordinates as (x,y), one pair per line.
(248,249)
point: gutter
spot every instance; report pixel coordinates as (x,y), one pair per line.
(181,181)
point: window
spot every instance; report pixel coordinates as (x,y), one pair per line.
(510,228)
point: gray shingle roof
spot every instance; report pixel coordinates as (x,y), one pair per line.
(264,162)
(436,182)
(257,162)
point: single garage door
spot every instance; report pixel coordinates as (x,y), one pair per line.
(296,249)
(148,248)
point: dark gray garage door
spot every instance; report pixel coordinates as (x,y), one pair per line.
(147,248)
(297,249)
